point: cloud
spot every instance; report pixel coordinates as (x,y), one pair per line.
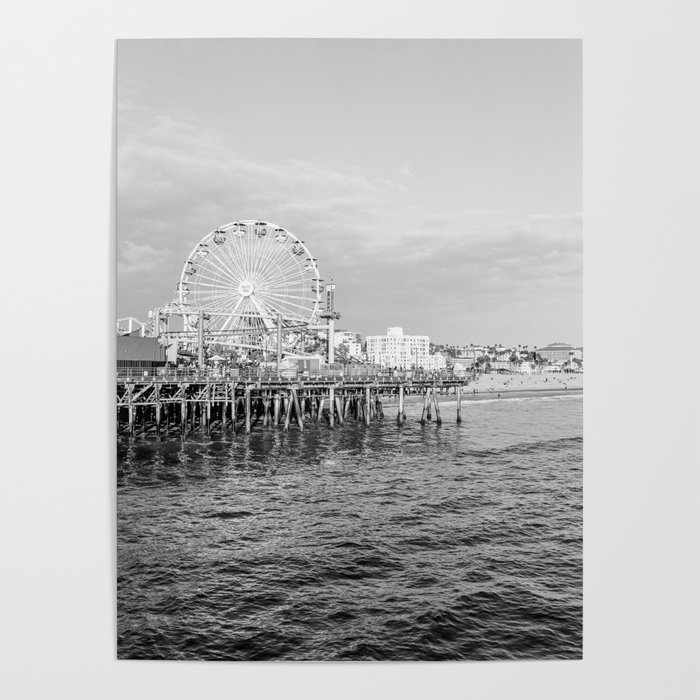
(138,257)
(390,253)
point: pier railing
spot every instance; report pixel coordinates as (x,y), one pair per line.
(351,372)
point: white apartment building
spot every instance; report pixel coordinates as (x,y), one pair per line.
(398,350)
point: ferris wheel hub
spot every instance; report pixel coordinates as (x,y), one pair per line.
(245,288)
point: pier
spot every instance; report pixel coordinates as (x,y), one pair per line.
(176,403)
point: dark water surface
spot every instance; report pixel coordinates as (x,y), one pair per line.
(449,542)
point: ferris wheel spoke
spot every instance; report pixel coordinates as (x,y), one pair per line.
(287,302)
(232,317)
(205,266)
(257,244)
(214,304)
(225,300)
(267,322)
(281,277)
(281,252)
(258,264)
(218,306)
(275,308)
(288,262)
(242,243)
(249,252)
(233,258)
(220,251)
(216,284)
(230,254)
(266,252)
(284,296)
(225,272)
(218,271)
(291,265)
(297,289)
(215,287)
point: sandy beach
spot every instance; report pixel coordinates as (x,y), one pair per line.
(490,386)
(509,383)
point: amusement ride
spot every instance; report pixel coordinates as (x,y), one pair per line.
(249,285)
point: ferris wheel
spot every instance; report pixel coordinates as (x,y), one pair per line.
(245,276)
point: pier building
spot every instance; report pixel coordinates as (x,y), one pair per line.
(135,352)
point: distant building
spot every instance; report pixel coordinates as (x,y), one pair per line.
(472,353)
(350,339)
(437,361)
(398,350)
(559,352)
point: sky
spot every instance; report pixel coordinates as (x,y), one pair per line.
(437,181)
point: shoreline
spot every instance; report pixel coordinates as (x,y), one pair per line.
(494,395)
(521,393)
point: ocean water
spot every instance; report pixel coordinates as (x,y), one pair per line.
(381,542)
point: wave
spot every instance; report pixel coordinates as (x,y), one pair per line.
(523,448)
(230,514)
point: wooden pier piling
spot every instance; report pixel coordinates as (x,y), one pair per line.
(276,414)
(287,409)
(438,419)
(208,403)
(297,409)
(246,410)
(208,407)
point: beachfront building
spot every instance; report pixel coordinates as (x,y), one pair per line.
(395,349)
(558,352)
(472,352)
(437,361)
(350,341)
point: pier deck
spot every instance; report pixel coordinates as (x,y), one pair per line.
(176,403)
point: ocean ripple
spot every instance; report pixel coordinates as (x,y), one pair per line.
(365,543)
